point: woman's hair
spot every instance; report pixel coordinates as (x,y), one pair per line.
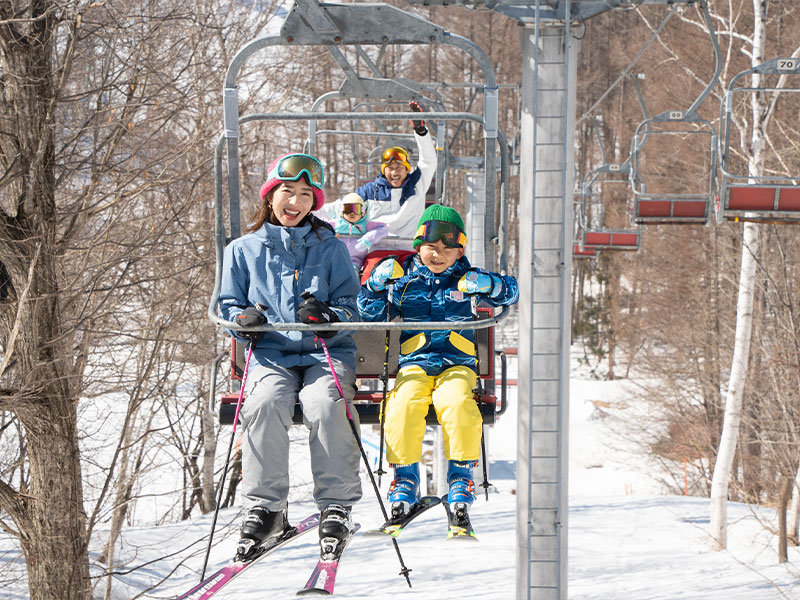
(264,214)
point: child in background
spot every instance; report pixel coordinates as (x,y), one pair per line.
(435,366)
(353,228)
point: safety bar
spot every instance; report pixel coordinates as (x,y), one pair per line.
(360,325)
(220,238)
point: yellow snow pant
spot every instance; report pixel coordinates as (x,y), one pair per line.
(456,411)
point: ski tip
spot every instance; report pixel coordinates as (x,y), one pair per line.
(313,592)
(463,538)
(376,533)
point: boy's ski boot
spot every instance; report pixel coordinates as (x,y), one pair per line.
(404,491)
(259,526)
(462,491)
(335,529)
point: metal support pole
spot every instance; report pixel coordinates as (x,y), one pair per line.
(545,235)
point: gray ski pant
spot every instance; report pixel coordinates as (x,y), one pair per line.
(266,417)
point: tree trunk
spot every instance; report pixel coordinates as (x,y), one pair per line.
(612,294)
(794,512)
(53,524)
(733,400)
(49,514)
(744,306)
(783,503)
(209,502)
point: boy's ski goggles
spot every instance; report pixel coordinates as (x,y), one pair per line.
(294,166)
(352,209)
(396,154)
(448,233)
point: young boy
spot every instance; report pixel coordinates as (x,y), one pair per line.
(353,228)
(435,366)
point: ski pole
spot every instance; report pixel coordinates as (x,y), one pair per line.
(227,458)
(479,389)
(390,296)
(404,571)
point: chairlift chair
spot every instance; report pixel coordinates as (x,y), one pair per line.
(356,24)
(773,198)
(665,207)
(662,207)
(593,234)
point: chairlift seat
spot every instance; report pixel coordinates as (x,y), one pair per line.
(777,203)
(370,351)
(671,210)
(612,240)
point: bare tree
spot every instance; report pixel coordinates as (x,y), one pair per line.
(761,109)
(99,226)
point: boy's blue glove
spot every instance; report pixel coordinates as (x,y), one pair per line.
(386,270)
(475,282)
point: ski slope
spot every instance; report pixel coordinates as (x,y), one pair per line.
(626,539)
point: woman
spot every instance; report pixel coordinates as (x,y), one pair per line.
(286,252)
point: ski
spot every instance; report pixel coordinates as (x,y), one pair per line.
(323,576)
(458,525)
(215,582)
(394,527)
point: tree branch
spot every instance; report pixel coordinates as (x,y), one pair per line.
(17,321)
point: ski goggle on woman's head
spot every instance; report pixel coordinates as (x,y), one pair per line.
(434,231)
(293,166)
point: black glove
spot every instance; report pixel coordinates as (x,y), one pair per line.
(419,125)
(251,317)
(314,311)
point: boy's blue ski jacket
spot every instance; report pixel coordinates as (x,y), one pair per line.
(421,295)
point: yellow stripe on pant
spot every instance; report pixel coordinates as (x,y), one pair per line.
(456,410)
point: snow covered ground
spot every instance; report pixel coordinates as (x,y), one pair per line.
(626,539)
